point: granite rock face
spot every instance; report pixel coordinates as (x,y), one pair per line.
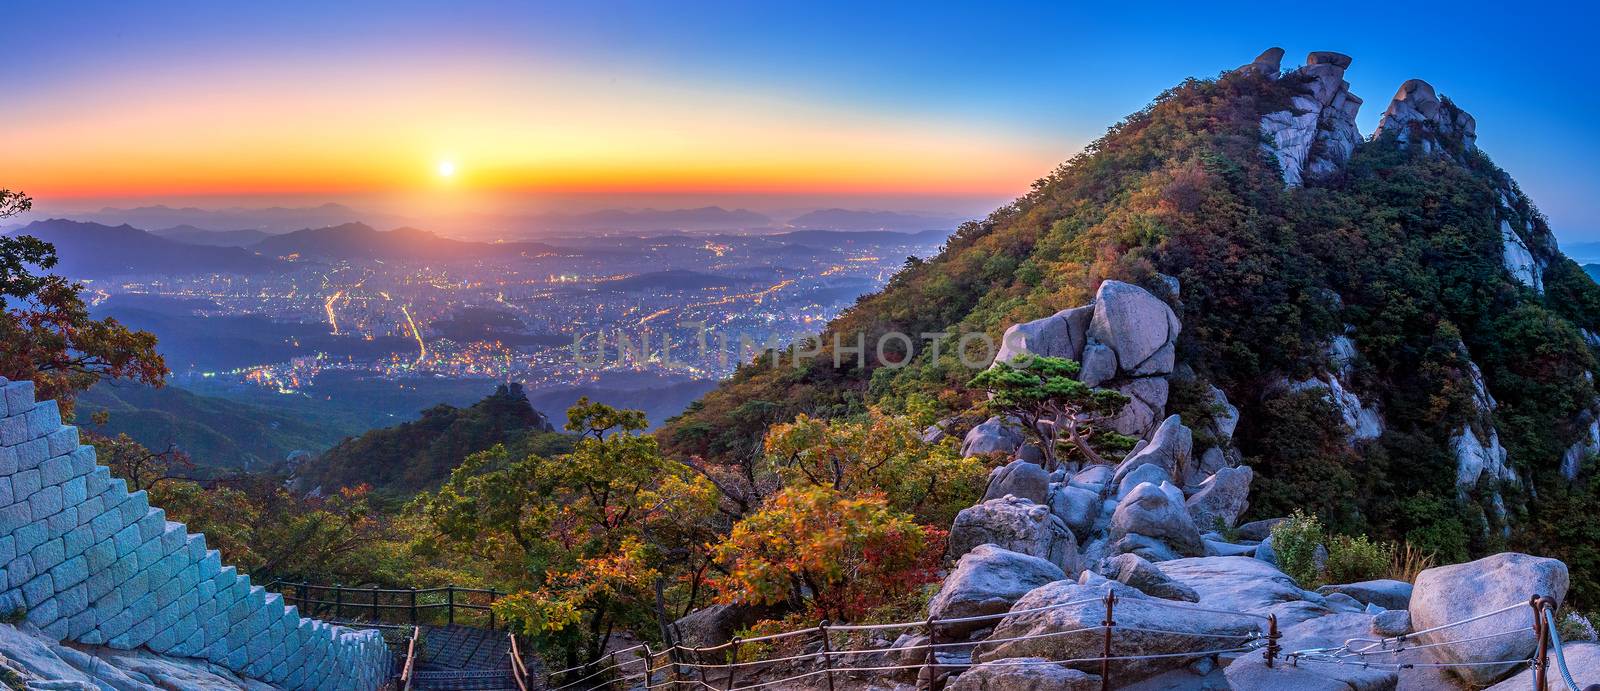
(1318,134)
(1417,116)
(90,562)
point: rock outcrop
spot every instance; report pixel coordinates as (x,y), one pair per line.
(1317,135)
(1148,628)
(1150,523)
(1457,592)
(1018,525)
(1170,448)
(1416,115)
(1221,499)
(1020,478)
(1126,339)
(1133,570)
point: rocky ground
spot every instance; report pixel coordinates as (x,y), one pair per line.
(31,659)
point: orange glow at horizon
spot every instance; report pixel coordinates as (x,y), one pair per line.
(383,129)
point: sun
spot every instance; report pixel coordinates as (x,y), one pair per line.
(447,169)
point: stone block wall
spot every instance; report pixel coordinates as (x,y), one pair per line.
(88,561)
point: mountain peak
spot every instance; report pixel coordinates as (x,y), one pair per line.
(1317,134)
(1417,111)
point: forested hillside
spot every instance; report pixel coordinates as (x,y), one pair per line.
(420,454)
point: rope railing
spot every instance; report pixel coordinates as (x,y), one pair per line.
(688,666)
(830,661)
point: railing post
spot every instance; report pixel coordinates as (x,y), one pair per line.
(1272,639)
(827,663)
(492,594)
(932,662)
(413,606)
(733,664)
(1105,651)
(338,602)
(375,615)
(450,603)
(649,667)
(1542,649)
(699,664)
(613,666)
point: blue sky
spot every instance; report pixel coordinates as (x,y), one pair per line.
(1031,82)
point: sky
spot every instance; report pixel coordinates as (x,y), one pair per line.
(771,106)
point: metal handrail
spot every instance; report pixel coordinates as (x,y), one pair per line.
(411,659)
(519,671)
(301,595)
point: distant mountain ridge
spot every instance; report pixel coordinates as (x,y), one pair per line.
(95,250)
(215,238)
(361,241)
(861,220)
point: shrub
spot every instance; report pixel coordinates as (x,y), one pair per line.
(1295,542)
(1409,560)
(1352,559)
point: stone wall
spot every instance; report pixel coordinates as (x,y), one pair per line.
(88,561)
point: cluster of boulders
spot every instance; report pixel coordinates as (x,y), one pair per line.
(1161,531)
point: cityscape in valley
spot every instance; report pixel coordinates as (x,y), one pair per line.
(331,314)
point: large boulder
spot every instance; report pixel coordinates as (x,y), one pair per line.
(1449,594)
(991,436)
(1384,592)
(1257,530)
(1146,626)
(1136,571)
(1235,584)
(1062,334)
(1019,478)
(1222,498)
(1092,478)
(1250,672)
(1075,506)
(1583,661)
(1138,326)
(1024,674)
(1018,525)
(1151,513)
(1152,473)
(1170,449)
(1099,364)
(1147,403)
(986,581)
(716,624)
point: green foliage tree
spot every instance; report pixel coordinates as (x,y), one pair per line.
(883,454)
(1042,394)
(584,536)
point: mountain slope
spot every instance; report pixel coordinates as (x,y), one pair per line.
(216,433)
(94,250)
(1290,237)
